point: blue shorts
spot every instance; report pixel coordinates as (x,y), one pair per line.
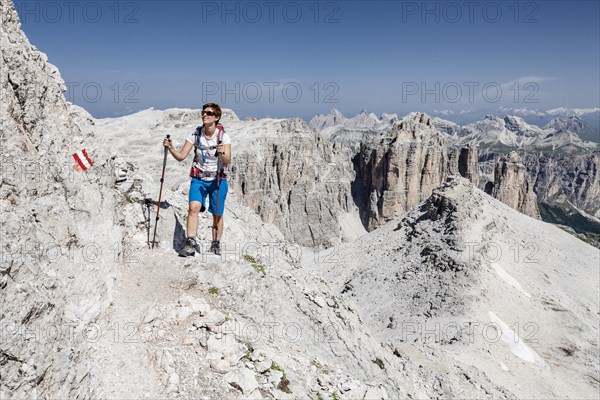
(199,189)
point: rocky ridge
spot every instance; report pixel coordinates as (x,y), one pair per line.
(446,269)
(58,266)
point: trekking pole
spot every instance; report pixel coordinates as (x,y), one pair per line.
(148,221)
(162,179)
(216,226)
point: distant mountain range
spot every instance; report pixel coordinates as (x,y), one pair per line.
(362,120)
(565,133)
(536,117)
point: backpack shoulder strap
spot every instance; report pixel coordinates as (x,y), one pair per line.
(198,133)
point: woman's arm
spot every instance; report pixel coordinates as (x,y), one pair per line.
(181,154)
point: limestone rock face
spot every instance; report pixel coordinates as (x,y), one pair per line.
(467,164)
(512,187)
(464,162)
(397,171)
(295,180)
(567,177)
(556,177)
(56,226)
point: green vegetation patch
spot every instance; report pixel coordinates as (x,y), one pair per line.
(255,263)
(284,382)
(379,363)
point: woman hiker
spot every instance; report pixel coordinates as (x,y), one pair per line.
(210,142)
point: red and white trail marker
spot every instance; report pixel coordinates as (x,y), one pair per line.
(83,160)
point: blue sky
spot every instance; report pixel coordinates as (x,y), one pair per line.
(300,58)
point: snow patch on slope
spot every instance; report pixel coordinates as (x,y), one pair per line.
(515,343)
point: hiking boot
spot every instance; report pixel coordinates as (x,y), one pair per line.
(215,247)
(189,249)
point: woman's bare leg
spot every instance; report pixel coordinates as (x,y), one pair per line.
(192,219)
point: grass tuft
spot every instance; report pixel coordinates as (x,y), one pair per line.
(255,263)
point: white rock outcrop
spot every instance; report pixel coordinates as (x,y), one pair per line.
(512,187)
(398,170)
(59,242)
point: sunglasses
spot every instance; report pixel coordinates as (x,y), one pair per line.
(209,113)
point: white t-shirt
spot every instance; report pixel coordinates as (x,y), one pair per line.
(208,162)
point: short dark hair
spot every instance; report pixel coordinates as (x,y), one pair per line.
(216,109)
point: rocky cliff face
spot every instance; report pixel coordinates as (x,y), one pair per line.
(295,180)
(398,170)
(565,177)
(464,162)
(57,227)
(512,187)
(556,177)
